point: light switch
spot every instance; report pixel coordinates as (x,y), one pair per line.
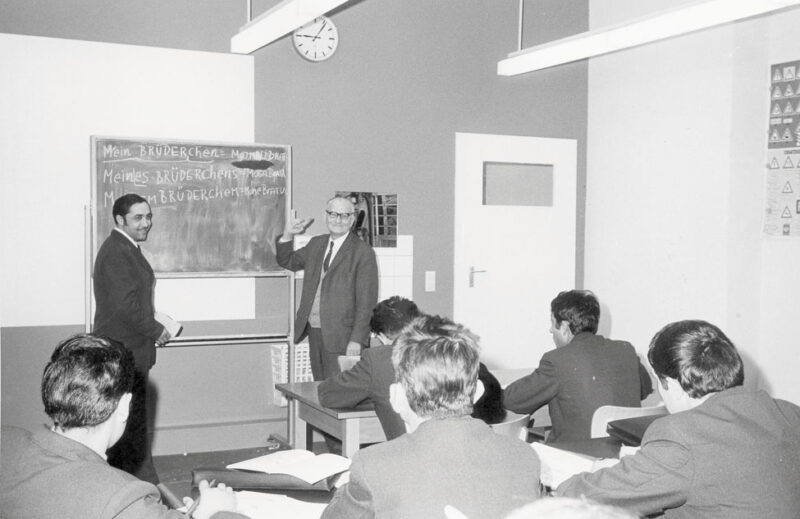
(430,281)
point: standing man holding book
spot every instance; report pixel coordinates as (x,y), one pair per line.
(123,292)
(340,287)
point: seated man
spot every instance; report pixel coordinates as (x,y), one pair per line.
(448,457)
(371,376)
(584,372)
(62,472)
(723,451)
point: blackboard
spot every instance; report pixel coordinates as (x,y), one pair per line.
(217,207)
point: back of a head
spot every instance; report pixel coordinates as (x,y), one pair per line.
(85,379)
(569,508)
(436,361)
(579,308)
(698,355)
(392,315)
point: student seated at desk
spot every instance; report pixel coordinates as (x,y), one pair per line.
(723,451)
(448,457)
(62,472)
(584,372)
(371,377)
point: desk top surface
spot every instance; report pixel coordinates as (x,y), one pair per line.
(306,392)
(606,447)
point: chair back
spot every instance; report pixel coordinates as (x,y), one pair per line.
(515,425)
(609,413)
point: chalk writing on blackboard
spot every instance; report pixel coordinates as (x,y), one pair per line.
(217,208)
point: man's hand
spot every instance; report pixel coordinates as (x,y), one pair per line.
(295,226)
(212,500)
(163,338)
(353,348)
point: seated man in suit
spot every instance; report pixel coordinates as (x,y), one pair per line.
(723,451)
(584,372)
(371,377)
(62,472)
(447,457)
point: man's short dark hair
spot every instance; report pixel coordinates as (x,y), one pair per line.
(698,355)
(391,315)
(579,308)
(436,361)
(85,379)
(122,205)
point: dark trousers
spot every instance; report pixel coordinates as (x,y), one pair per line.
(132,452)
(324,364)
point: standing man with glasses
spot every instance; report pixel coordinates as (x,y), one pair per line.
(340,287)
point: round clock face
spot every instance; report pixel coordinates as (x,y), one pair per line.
(317,40)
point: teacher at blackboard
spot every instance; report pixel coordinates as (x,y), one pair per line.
(340,287)
(123,291)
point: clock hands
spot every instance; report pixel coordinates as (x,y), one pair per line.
(324,23)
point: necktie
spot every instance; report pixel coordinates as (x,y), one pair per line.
(327,262)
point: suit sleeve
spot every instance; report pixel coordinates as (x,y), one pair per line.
(289,258)
(348,388)
(657,477)
(645,382)
(366,294)
(354,499)
(124,291)
(531,392)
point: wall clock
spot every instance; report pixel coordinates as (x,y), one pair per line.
(317,40)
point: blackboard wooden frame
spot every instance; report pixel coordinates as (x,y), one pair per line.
(217,206)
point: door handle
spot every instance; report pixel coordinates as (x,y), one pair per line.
(472,273)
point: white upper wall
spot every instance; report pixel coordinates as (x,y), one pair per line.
(59,94)
(675,165)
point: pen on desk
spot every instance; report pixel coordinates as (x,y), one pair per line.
(196,502)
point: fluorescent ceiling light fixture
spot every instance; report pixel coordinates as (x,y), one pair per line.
(278,21)
(658,26)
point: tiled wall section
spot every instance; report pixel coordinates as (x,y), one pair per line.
(395,267)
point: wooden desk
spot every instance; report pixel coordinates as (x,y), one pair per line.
(606,447)
(353,426)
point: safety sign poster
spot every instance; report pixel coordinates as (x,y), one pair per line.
(782,201)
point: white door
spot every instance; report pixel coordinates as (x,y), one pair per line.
(514,241)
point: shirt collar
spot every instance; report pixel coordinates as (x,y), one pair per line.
(129,238)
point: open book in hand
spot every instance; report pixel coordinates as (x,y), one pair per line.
(173,327)
(299,463)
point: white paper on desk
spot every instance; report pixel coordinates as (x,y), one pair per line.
(173,327)
(257,505)
(559,465)
(299,463)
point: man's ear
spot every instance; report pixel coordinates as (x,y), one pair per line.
(479,391)
(124,407)
(398,398)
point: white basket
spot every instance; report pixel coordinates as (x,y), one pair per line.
(280,368)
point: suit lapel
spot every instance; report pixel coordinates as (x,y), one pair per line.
(343,250)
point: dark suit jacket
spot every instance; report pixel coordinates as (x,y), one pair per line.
(123,293)
(576,379)
(349,291)
(453,461)
(369,379)
(735,456)
(46,475)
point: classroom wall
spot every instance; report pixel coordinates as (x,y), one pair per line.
(381,115)
(119,90)
(675,164)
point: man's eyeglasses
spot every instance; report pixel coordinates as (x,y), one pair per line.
(339,216)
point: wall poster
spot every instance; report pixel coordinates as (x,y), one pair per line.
(782,183)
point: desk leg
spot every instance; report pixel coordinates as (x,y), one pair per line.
(291,422)
(350,437)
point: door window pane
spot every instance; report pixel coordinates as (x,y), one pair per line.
(506,183)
